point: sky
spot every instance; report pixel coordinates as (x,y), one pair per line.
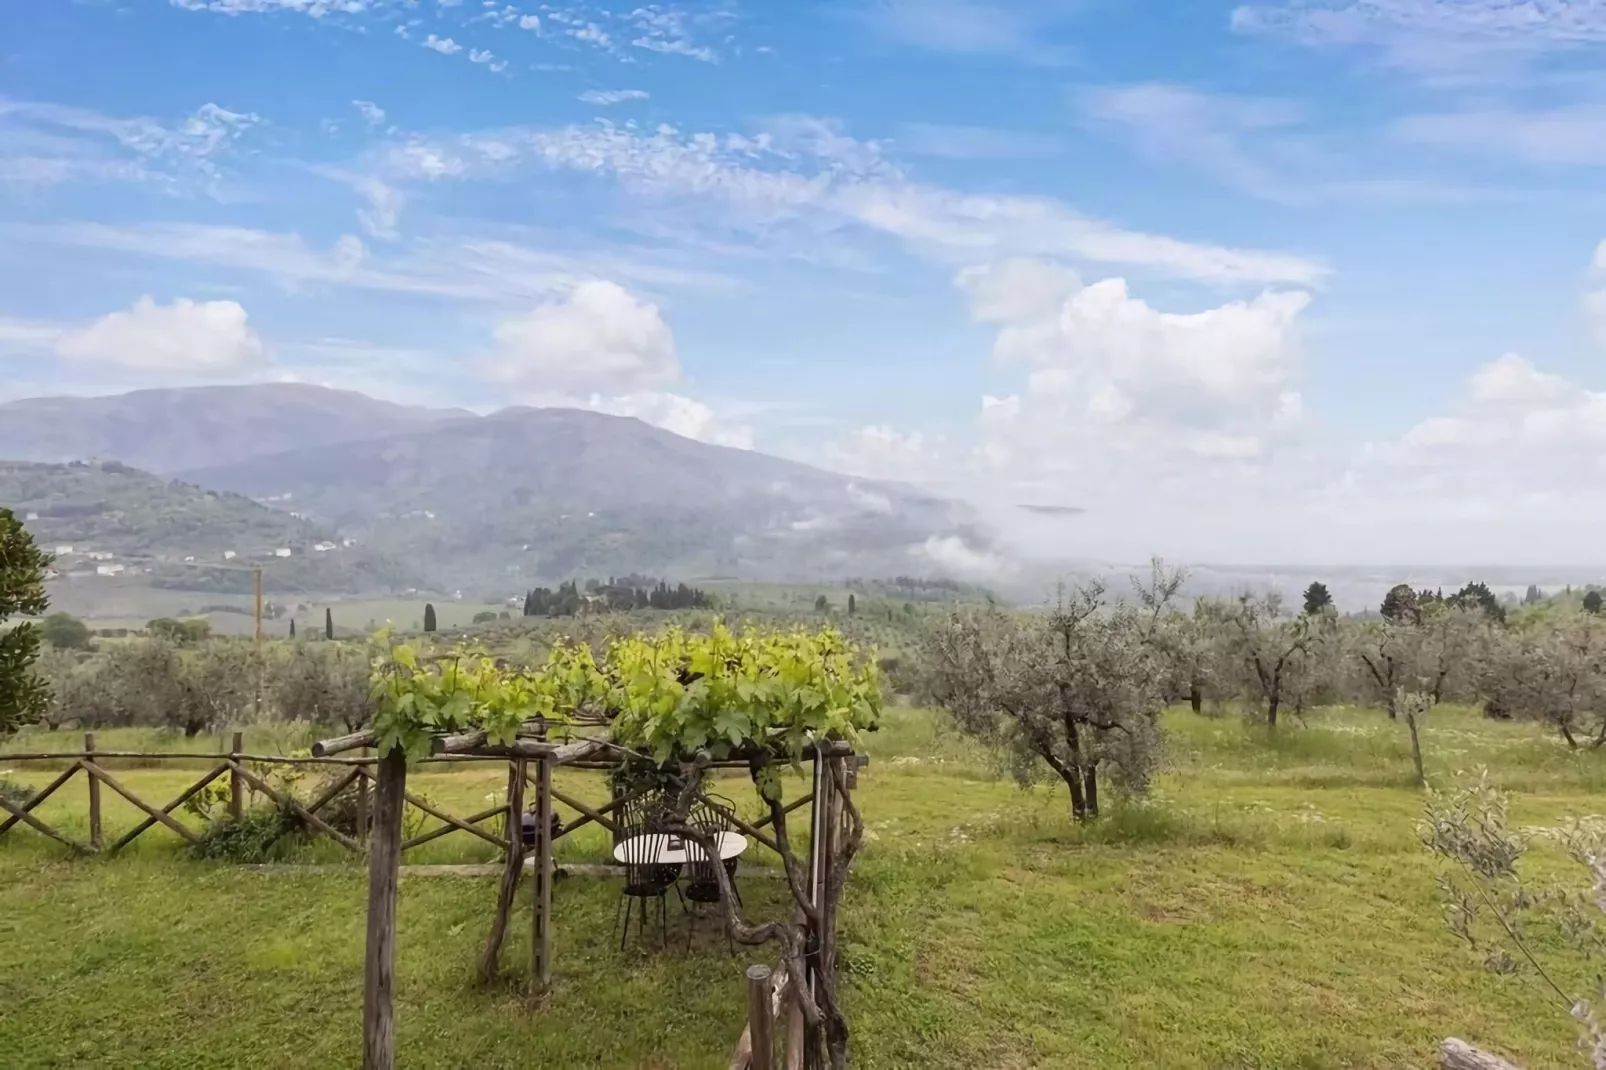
(1284,281)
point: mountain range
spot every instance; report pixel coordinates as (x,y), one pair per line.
(448,500)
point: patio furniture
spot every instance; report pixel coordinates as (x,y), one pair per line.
(648,874)
(702,885)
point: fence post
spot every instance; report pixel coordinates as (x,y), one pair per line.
(379,966)
(760,1017)
(94,795)
(236,786)
(541,912)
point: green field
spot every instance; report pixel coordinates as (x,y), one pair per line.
(1268,907)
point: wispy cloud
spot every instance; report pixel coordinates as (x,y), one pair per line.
(804,173)
(604,97)
(47,143)
(1455,39)
(372,113)
(1573,135)
(444,45)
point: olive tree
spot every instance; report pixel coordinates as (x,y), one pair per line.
(1552,669)
(1272,660)
(327,683)
(1068,693)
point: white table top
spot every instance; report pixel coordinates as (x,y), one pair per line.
(657,850)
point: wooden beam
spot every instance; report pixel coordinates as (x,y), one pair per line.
(586,812)
(95,840)
(332,790)
(18,813)
(141,828)
(289,803)
(1459,1055)
(40,796)
(753,831)
(236,786)
(112,782)
(447,830)
(512,869)
(541,908)
(769,819)
(379,959)
(457,824)
(760,1018)
(326,747)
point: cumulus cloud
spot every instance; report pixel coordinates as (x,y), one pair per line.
(187,337)
(954,556)
(444,45)
(679,414)
(600,337)
(881,452)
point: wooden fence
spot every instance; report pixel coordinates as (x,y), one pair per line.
(360,772)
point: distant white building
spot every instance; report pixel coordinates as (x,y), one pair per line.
(348,542)
(62,551)
(31,516)
(229,555)
(322,547)
(283,551)
(100,555)
(189,560)
(108,570)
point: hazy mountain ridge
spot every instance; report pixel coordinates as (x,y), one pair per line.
(166,431)
(544,493)
(106,520)
(495,503)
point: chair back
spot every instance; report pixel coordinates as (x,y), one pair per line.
(712,821)
(640,822)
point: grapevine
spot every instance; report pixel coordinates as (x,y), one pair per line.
(668,695)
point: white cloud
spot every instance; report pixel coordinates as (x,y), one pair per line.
(314,8)
(1441,39)
(952,555)
(669,31)
(372,113)
(1018,289)
(1595,300)
(186,337)
(1573,135)
(384,207)
(530,22)
(881,452)
(486,58)
(605,97)
(679,414)
(599,338)
(42,144)
(444,45)
(806,174)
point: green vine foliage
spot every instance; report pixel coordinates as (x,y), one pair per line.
(670,695)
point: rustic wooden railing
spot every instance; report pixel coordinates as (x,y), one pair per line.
(361,771)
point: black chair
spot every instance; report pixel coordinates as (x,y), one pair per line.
(646,878)
(702,883)
(728,811)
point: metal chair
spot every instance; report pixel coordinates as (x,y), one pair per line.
(646,878)
(702,884)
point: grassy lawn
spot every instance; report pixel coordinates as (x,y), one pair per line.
(1270,907)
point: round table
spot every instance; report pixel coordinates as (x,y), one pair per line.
(655,849)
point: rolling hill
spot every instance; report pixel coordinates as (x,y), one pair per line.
(109,522)
(166,431)
(531,494)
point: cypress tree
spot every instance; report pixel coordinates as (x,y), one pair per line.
(429,616)
(292,627)
(328,623)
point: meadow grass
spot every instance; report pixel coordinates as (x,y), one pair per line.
(1268,906)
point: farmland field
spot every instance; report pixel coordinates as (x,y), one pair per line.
(1269,906)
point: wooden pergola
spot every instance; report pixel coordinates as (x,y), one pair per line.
(834,773)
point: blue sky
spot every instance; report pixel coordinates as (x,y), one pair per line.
(1292,280)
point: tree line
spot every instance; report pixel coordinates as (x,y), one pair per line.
(617,595)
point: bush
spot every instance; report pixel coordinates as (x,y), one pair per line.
(65,632)
(249,839)
(14,792)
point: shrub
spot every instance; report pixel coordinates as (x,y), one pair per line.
(14,792)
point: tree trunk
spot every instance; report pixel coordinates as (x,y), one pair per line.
(1091,778)
(1073,780)
(1394,705)
(1567,734)
(1272,703)
(1416,749)
(1196,697)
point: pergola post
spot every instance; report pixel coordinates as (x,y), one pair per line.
(541,907)
(512,869)
(379,966)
